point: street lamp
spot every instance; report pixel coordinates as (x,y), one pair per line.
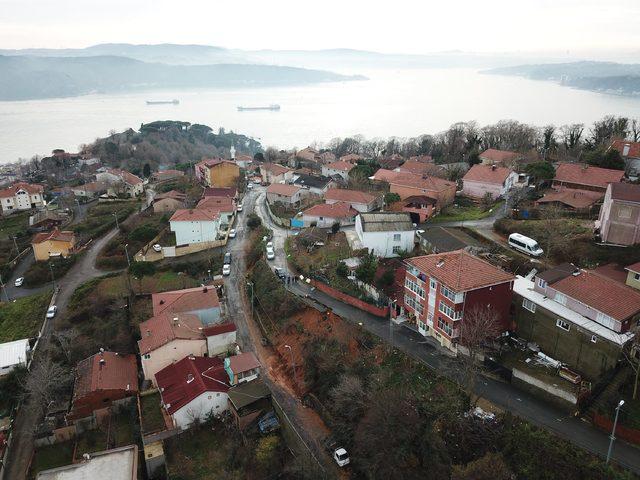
(53,278)
(613,432)
(126,251)
(293,362)
(251,285)
(115,215)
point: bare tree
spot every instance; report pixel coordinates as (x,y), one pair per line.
(65,340)
(634,129)
(349,404)
(631,353)
(479,327)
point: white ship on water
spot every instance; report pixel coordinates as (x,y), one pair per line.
(273,107)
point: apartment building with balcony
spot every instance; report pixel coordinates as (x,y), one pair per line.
(441,288)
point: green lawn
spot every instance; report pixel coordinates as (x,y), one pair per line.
(464,213)
(100,218)
(152,419)
(15,224)
(23,318)
(51,456)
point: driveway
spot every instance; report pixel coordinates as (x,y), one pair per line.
(13,292)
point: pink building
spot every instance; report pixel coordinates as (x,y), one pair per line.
(492,179)
(619,221)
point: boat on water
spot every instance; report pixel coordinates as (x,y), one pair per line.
(274,107)
(163,102)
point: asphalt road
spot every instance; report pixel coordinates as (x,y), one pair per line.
(25,422)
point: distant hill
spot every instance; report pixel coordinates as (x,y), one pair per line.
(608,77)
(29,77)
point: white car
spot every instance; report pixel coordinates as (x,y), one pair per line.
(270,254)
(51,312)
(19,281)
(270,245)
(226,270)
(250,186)
(232,233)
(341,457)
(239,207)
(257,182)
(157,248)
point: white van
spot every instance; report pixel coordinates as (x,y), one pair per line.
(525,245)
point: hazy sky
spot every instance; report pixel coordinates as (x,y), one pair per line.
(417,26)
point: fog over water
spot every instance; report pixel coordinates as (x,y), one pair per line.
(402,103)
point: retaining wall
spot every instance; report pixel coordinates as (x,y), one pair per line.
(354,302)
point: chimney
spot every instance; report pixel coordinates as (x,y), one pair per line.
(148,333)
(440,263)
(192,357)
(175,320)
(494,166)
(585,166)
(102,363)
(204,289)
(189,378)
(161,302)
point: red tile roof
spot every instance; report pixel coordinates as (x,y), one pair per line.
(243,362)
(228,192)
(633,147)
(627,192)
(182,382)
(169,173)
(492,174)
(127,177)
(420,168)
(600,293)
(421,158)
(498,156)
(118,372)
(580,174)
(351,196)
(413,181)
(212,162)
(336,210)
(460,271)
(27,187)
(174,194)
(187,300)
(340,165)
(573,198)
(216,204)
(166,327)
(351,158)
(55,235)
(194,215)
(218,329)
(282,189)
(274,168)
(635,267)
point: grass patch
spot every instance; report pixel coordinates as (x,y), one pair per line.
(23,317)
(16,224)
(51,456)
(100,218)
(150,409)
(464,211)
(39,273)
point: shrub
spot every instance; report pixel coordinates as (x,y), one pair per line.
(342,269)
(253,221)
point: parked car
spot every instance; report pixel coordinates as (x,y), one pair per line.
(226,269)
(19,281)
(232,233)
(525,245)
(279,273)
(250,186)
(257,181)
(270,245)
(270,254)
(51,312)
(339,454)
(239,207)
(157,247)
(227,259)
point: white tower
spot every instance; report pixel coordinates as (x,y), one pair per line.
(232,151)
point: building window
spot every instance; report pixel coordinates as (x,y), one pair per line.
(563,325)
(450,294)
(542,283)
(636,276)
(529,305)
(606,320)
(444,326)
(560,298)
(409,301)
(414,287)
(449,311)
(624,212)
(396,237)
(147,356)
(396,249)
(433,284)
(594,338)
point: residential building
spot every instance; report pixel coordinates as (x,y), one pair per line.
(619,220)
(573,200)
(327,157)
(89,190)
(314,184)
(116,464)
(221,338)
(421,159)
(578,317)
(351,158)
(492,156)
(632,278)
(392,162)
(308,154)
(120,181)
(441,289)
(192,389)
(168,202)
(167,338)
(325,215)
(56,243)
(195,225)
(630,153)
(243,161)
(275,173)
(167,175)
(103,380)
(241,368)
(217,172)
(493,180)
(220,192)
(385,234)
(419,207)
(201,301)
(585,177)
(409,185)
(447,239)
(248,401)
(337,168)
(360,201)
(417,167)
(223,207)
(288,195)
(13,354)
(21,196)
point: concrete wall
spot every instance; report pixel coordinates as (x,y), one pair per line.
(549,392)
(631,280)
(619,221)
(168,354)
(480,189)
(382,243)
(220,343)
(200,408)
(355,302)
(194,232)
(224,175)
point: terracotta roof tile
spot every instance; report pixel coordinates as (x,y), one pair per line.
(194,215)
(243,362)
(627,192)
(228,192)
(412,180)
(127,177)
(174,194)
(460,271)
(166,327)
(216,204)
(340,165)
(420,168)
(633,148)
(573,198)
(274,168)
(351,158)
(587,175)
(492,174)
(600,293)
(184,381)
(331,210)
(351,196)
(55,234)
(282,189)
(187,300)
(498,156)
(27,187)
(218,329)
(118,372)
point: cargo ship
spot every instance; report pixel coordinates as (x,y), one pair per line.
(274,107)
(163,102)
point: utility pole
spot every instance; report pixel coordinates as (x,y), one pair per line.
(115,215)
(15,244)
(293,363)
(3,288)
(126,251)
(53,278)
(613,431)
(251,285)
(391,307)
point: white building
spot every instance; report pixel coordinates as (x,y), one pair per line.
(21,196)
(13,354)
(117,179)
(117,464)
(385,234)
(193,389)
(195,225)
(221,338)
(337,168)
